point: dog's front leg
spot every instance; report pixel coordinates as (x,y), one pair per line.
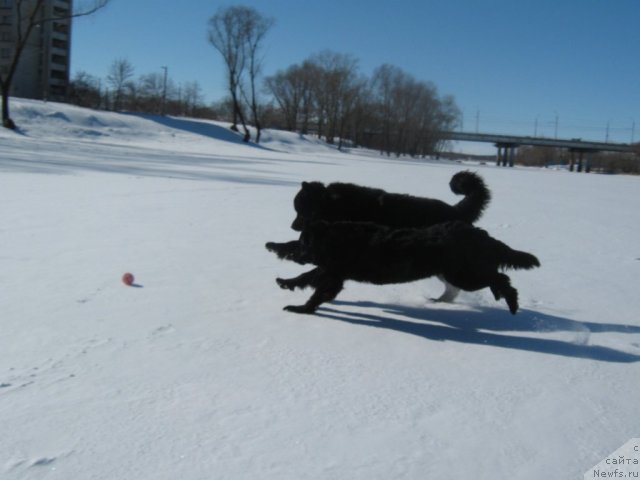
(301,281)
(283,250)
(289,251)
(327,289)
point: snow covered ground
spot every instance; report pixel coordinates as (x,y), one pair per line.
(196,372)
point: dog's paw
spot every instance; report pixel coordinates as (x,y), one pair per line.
(496,293)
(285,284)
(271,246)
(513,305)
(299,309)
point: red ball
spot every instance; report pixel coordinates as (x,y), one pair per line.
(128,278)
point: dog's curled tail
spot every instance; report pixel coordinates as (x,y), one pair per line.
(476,195)
(518,260)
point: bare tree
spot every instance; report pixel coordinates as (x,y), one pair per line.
(287,89)
(256,27)
(409,114)
(119,78)
(192,97)
(85,90)
(237,33)
(155,93)
(292,91)
(385,80)
(309,74)
(336,87)
(29,14)
(226,34)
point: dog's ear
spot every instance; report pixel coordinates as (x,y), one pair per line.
(312,185)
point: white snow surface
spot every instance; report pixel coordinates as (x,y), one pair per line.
(196,372)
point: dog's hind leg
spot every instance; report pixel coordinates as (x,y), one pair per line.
(450,292)
(327,289)
(501,288)
(303,280)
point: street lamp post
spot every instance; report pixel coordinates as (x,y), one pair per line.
(164,91)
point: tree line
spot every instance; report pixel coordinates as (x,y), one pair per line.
(154,93)
(601,162)
(325,95)
(390,111)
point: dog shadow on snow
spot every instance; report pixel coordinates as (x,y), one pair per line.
(478,326)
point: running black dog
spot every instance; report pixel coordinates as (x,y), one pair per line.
(464,255)
(346,201)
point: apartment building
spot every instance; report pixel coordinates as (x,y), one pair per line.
(43,70)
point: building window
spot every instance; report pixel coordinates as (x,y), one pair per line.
(60,27)
(58,75)
(60,12)
(57,43)
(59,59)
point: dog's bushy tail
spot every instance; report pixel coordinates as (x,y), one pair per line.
(518,260)
(476,195)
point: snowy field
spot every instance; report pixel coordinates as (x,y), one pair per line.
(196,372)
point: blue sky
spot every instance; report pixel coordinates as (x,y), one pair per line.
(511,65)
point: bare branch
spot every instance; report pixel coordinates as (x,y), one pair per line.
(29,15)
(82,12)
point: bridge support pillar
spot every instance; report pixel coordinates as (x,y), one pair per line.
(582,163)
(580,160)
(506,154)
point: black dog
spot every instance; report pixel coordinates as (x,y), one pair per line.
(346,201)
(464,255)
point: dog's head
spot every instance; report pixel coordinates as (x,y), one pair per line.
(307,203)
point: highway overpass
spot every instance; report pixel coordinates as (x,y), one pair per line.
(507,145)
(574,143)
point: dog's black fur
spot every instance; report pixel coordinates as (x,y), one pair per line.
(347,201)
(466,256)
